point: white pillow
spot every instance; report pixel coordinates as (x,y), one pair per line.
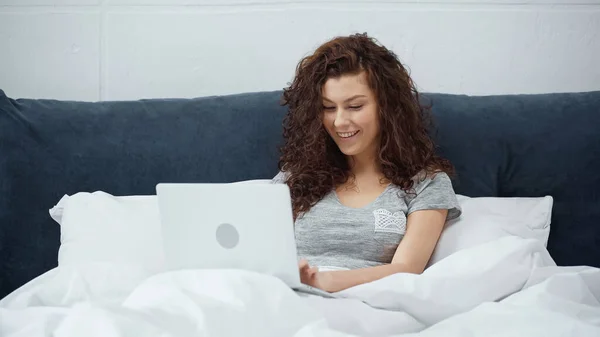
(99,227)
(485,219)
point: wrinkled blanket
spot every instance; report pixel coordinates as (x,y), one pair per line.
(506,287)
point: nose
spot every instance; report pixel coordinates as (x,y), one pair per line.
(341,119)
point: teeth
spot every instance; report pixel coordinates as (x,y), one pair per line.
(347,134)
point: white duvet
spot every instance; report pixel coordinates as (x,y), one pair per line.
(507,287)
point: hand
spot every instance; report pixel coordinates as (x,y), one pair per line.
(311,276)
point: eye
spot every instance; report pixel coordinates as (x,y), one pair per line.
(356,107)
(328,107)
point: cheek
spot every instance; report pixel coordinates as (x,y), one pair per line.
(370,121)
(327,120)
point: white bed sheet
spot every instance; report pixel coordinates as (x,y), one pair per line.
(507,287)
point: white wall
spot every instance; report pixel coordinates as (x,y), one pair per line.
(129,49)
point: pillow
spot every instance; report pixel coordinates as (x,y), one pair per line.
(485,219)
(99,227)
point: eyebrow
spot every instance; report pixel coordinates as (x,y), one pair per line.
(347,100)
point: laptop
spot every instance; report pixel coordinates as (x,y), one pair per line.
(231,226)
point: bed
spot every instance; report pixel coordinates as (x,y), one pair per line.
(80,237)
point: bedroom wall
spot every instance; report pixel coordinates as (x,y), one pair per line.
(130,49)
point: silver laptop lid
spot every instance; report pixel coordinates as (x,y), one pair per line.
(229,226)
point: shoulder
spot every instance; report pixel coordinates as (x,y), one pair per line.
(434,180)
(433,191)
(280,178)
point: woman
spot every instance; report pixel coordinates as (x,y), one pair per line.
(369,195)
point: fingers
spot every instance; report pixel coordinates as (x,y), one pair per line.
(303,264)
(306,269)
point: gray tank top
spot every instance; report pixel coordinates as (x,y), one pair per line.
(333,236)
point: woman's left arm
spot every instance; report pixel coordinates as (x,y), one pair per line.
(423,229)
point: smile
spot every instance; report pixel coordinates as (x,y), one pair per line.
(347,134)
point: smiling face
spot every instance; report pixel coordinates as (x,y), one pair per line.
(350,115)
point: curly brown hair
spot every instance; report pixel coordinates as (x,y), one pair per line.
(311,160)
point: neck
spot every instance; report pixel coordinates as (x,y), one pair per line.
(363,164)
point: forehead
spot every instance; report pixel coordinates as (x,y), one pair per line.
(339,89)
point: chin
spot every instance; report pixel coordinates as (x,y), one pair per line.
(349,151)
